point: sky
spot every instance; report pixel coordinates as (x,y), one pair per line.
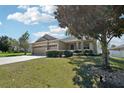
(37,20)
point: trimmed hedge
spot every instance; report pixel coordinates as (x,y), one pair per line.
(88,53)
(59,53)
(77,51)
(54,53)
(68,53)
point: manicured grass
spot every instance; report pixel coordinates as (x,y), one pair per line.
(52,72)
(12,54)
(84,78)
(116,58)
(117,62)
(46,72)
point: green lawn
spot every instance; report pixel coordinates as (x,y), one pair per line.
(117,63)
(51,72)
(12,54)
(47,72)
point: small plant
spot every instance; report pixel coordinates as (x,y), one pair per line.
(88,53)
(77,51)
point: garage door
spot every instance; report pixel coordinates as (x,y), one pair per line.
(39,51)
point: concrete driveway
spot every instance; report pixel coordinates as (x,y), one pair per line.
(15,59)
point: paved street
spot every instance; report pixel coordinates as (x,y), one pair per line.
(15,59)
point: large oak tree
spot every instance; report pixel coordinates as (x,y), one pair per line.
(99,22)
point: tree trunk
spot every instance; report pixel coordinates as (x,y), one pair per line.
(105,55)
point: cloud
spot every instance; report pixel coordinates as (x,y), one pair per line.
(55,31)
(49,9)
(32,15)
(40,34)
(23,7)
(0,23)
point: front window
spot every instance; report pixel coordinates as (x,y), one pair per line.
(52,47)
(86,46)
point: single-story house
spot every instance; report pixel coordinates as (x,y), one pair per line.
(48,43)
(117,51)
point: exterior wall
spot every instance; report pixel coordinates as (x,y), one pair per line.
(40,48)
(62,45)
(99,49)
(91,46)
(94,45)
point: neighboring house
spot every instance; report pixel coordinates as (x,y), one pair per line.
(48,43)
(117,51)
(30,48)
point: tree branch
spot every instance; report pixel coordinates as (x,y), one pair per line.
(110,39)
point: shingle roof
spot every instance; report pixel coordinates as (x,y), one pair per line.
(46,37)
(70,38)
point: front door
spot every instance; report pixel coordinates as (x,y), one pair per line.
(72,47)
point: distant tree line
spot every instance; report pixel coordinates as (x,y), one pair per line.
(8,44)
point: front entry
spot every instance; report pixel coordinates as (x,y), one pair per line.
(72,47)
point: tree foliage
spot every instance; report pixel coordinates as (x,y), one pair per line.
(4,43)
(14,45)
(23,41)
(99,22)
(8,44)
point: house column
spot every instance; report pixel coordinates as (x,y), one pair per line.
(82,44)
(91,46)
(58,45)
(77,45)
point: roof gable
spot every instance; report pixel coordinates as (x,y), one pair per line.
(45,38)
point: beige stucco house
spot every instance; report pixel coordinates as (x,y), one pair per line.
(48,43)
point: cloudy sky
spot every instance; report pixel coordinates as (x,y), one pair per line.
(38,20)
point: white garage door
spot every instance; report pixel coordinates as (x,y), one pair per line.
(39,51)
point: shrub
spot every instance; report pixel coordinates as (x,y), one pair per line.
(100,54)
(68,53)
(77,51)
(60,53)
(88,53)
(79,54)
(54,53)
